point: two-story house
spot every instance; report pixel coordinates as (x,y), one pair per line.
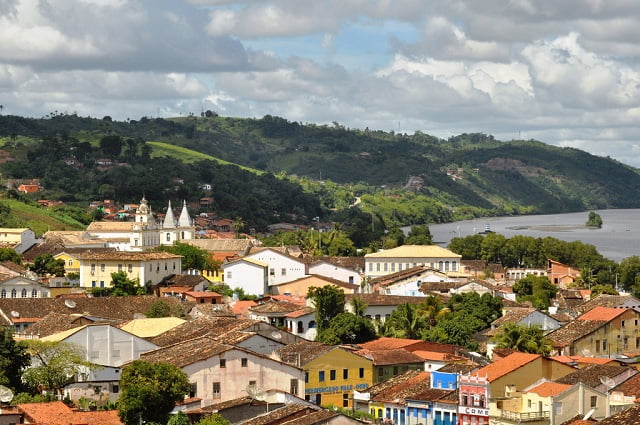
(407,256)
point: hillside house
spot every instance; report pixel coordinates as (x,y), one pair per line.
(407,256)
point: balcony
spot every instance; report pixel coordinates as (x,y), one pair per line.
(523,417)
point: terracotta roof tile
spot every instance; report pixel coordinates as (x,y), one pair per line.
(396,380)
(549,389)
(127,256)
(506,365)
(417,384)
(380,299)
(573,331)
(274,306)
(436,394)
(301,353)
(241,308)
(121,308)
(390,357)
(627,417)
(201,326)
(630,387)
(602,313)
(591,374)
(58,413)
(603,300)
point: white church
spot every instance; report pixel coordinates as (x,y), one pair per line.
(144,232)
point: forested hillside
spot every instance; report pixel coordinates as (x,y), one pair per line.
(304,170)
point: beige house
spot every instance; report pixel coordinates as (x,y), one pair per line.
(96,267)
(300,287)
(219,372)
(550,403)
(19,239)
(407,256)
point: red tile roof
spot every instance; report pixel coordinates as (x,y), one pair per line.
(506,365)
(58,413)
(549,389)
(602,313)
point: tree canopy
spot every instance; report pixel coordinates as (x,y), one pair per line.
(149,391)
(45,264)
(193,257)
(347,328)
(328,301)
(13,358)
(526,339)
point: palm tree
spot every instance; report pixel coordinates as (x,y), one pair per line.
(238,225)
(406,322)
(526,339)
(432,310)
(358,305)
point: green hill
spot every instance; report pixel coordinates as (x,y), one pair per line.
(465,175)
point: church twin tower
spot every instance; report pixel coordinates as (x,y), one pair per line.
(170,231)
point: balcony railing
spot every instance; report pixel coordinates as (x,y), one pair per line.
(523,417)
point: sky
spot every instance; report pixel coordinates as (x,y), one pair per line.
(563,72)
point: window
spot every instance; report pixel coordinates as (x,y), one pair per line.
(637,342)
(370,267)
(321,376)
(625,342)
(252,383)
(557,406)
(216,390)
(119,267)
(377,267)
(380,372)
(223,363)
(594,400)
(102,283)
(3,293)
(14,293)
(361,372)
(102,267)
(604,345)
(393,267)
(23,293)
(129,268)
(93,268)
(34,293)
(345,400)
(283,272)
(229,274)
(597,345)
(244,362)
(306,377)
(115,388)
(345,373)
(293,388)
(193,389)
(622,323)
(93,283)
(395,370)
(168,237)
(386,267)
(272,272)
(332,374)
(70,262)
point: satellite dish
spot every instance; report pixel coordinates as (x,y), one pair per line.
(14,313)
(610,383)
(589,414)
(255,393)
(6,395)
(419,283)
(276,335)
(585,352)
(70,303)
(139,316)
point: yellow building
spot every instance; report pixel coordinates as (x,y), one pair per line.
(404,257)
(71,262)
(602,331)
(332,373)
(96,267)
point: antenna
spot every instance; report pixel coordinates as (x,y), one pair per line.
(585,352)
(70,303)
(255,393)
(610,383)
(276,335)
(589,414)
(6,395)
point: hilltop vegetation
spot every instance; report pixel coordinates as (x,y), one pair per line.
(271,169)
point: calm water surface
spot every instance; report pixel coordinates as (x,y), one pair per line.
(618,238)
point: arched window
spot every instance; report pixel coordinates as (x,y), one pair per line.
(440,265)
(446,266)
(454,265)
(3,294)
(34,293)
(14,293)
(312,324)
(168,237)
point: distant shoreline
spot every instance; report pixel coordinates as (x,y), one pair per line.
(554,227)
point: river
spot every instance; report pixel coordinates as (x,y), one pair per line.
(618,238)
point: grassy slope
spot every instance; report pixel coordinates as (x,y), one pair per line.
(40,219)
(189,155)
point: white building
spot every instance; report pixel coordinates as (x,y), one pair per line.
(407,256)
(109,348)
(144,232)
(22,287)
(247,273)
(282,267)
(334,271)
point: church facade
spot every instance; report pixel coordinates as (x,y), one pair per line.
(144,232)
